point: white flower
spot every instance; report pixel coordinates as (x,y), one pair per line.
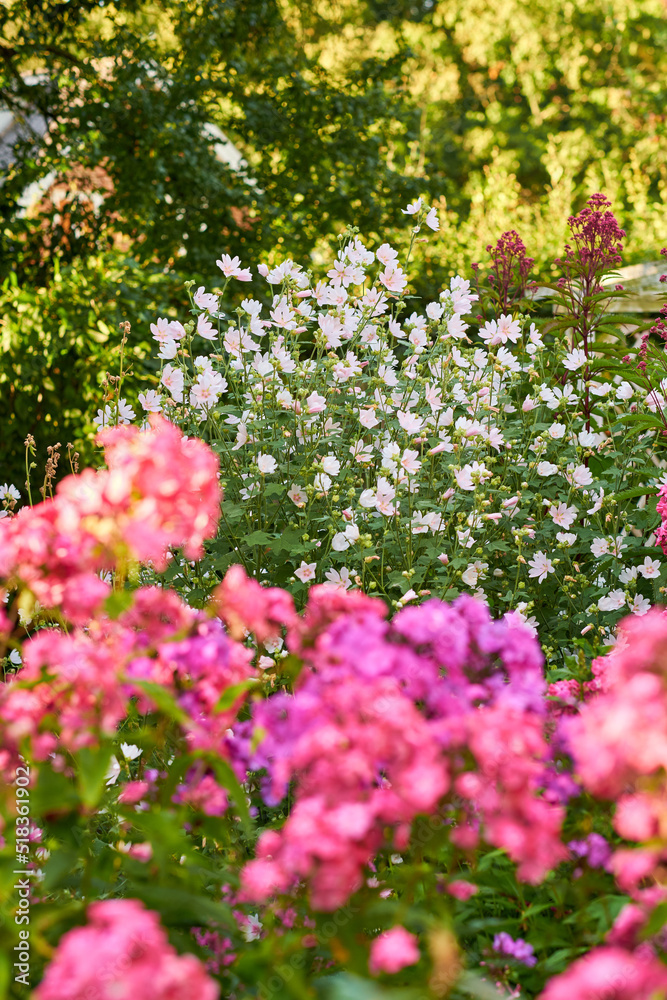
(368,419)
(628,574)
(474,571)
(639,605)
(322,482)
(412,208)
(432,221)
(500,331)
(598,498)
(456,327)
(386,254)
(297,495)
(168,350)
(306,571)
(316,403)
(600,547)
(112,771)
(252,928)
(546,469)
(410,422)
(567,537)
(205,328)
(130,751)
(575,360)
(578,475)
(172,380)
(266,463)
(472,474)
(331,465)
(557,431)
(341,579)
(650,568)
(409,461)
(614,601)
(624,391)
(539,566)
(9,491)
(563,515)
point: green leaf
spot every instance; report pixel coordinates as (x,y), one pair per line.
(257,538)
(232,693)
(180,908)
(228,780)
(118,602)
(93,764)
(638,491)
(164,700)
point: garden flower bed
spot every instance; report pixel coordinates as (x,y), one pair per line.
(345,675)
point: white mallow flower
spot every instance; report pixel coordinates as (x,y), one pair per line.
(628,574)
(130,751)
(168,350)
(578,475)
(456,326)
(519,619)
(432,220)
(470,475)
(563,515)
(339,578)
(343,539)
(614,601)
(322,482)
(575,360)
(331,465)
(553,397)
(172,380)
(315,403)
(410,422)
(112,771)
(413,207)
(546,469)
(597,498)
(252,928)
(306,572)
(557,431)
(501,330)
(409,461)
(650,568)
(297,495)
(600,547)
(639,605)
(9,491)
(475,571)
(368,419)
(539,566)
(566,537)
(266,463)
(625,391)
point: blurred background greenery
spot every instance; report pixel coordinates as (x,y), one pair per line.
(142,139)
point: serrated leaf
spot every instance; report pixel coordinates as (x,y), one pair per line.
(638,491)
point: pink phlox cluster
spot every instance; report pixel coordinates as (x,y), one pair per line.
(382,715)
(364,757)
(160,490)
(661,508)
(69,683)
(619,743)
(218,947)
(245,606)
(611,973)
(393,951)
(122,952)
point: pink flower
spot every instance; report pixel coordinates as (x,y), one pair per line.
(231,268)
(610,974)
(122,952)
(393,951)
